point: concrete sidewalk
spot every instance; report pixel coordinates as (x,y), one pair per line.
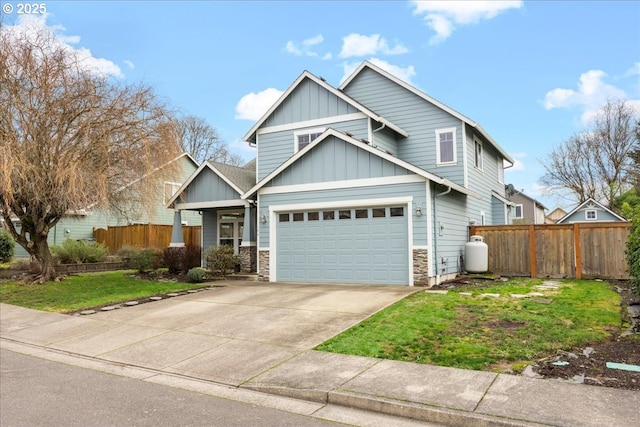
(258,337)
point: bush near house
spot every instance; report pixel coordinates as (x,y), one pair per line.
(7,246)
(221,260)
(147,260)
(181,260)
(79,252)
(633,245)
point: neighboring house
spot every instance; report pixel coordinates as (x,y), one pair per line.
(79,225)
(555,215)
(590,211)
(371,182)
(526,209)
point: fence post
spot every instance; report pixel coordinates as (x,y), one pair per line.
(577,250)
(532,251)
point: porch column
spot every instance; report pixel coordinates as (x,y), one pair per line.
(249,248)
(177,241)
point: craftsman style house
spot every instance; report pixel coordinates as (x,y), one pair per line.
(373,182)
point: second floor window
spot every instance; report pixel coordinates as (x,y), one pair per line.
(446,146)
(519,213)
(478,156)
(305,137)
(170,189)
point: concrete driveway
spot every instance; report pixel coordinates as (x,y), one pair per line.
(228,334)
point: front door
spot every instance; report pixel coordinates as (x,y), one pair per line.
(230,228)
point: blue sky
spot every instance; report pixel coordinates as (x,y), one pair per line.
(531,73)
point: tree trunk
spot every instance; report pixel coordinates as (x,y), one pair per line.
(40,252)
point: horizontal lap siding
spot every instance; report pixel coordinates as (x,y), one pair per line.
(416,116)
(417,190)
(277,147)
(450,245)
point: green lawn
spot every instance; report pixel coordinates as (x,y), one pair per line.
(486,333)
(86,290)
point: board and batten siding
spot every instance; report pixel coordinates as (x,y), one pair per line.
(418,117)
(352,195)
(209,228)
(274,148)
(336,160)
(208,187)
(308,101)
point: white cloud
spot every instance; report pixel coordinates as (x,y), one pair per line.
(443,17)
(31,25)
(518,165)
(129,64)
(253,105)
(360,45)
(633,71)
(306,47)
(402,73)
(592,92)
(242,148)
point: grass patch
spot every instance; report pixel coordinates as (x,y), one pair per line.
(485,333)
(86,290)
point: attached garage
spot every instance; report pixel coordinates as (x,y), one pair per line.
(361,244)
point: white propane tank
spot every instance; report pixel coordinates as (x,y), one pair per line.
(477,254)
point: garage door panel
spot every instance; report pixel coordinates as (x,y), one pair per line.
(359,249)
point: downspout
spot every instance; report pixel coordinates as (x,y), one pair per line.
(374,131)
(437,232)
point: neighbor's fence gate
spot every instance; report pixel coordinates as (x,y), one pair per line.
(581,250)
(146,236)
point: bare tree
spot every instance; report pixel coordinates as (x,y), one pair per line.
(202,141)
(597,163)
(70,138)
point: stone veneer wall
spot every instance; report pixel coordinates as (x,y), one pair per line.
(248,258)
(421,267)
(263,264)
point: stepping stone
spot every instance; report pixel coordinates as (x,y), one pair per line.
(536,294)
(437,292)
(110,308)
(520,296)
(155,298)
(193,291)
(490,295)
(87,312)
(173,294)
(130,303)
(466,294)
(542,300)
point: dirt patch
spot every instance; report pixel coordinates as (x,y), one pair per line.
(587,365)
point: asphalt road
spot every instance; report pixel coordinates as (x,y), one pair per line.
(37,392)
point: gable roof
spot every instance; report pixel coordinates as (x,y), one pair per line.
(344,137)
(251,135)
(584,204)
(240,178)
(520,193)
(414,90)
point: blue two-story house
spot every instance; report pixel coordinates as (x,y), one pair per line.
(372,182)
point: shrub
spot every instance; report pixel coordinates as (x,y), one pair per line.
(192,257)
(196,275)
(221,260)
(633,245)
(147,260)
(174,259)
(7,246)
(79,251)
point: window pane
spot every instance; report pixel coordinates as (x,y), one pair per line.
(313,216)
(314,135)
(226,242)
(397,211)
(328,215)
(446,152)
(226,231)
(298,216)
(344,214)
(362,213)
(283,217)
(378,212)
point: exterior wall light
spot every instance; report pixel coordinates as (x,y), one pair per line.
(418,211)
(263,219)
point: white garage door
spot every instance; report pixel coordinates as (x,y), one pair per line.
(352,245)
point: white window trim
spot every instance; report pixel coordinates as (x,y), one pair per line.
(515,212)
(455,153)
(595,215)
(297,133)
(478,165)
(175,186)
(500,170)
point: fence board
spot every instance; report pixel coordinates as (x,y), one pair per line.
(144,236)
(581,250)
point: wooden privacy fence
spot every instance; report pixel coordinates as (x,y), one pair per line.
(580,250)
(146,236)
